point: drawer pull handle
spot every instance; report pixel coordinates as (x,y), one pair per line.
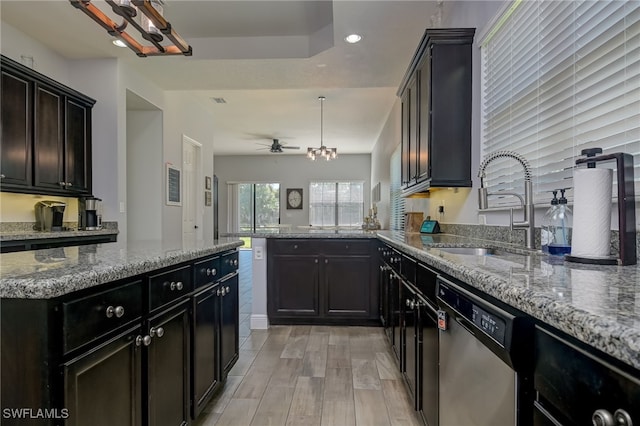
(176,285)
(235,262)
(228,290)
(2,176)
(63,184)
(316,261)
(156,331)
(602,418)
(146,340)
(295,246)
(407,302)
(68,184)
(622,418)
(219,293)
(211,271)
(118,311)
(223,291)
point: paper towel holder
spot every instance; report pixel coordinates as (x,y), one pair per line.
(626,206)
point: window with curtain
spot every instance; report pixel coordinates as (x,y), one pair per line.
(336,203)
(396,218)
(559,77)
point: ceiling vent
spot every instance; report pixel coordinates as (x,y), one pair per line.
(219,100)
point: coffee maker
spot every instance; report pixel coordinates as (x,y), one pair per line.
(49,215)
(89,213)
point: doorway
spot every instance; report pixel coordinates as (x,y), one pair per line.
(258,206)
(192,205)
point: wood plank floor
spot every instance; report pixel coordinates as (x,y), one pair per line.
(309,375)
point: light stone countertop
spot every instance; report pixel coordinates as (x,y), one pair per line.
(599,305)
(48,273)
(42,235)
(307,232)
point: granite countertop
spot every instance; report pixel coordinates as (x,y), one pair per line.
(307,232)
(599,305)
(48,273)
(41,235)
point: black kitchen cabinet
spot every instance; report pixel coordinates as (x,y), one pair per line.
(46,134)
(575,385)
(204,353)
(215,327)
(315,281)
(121,353)
(103,386)
(436,112)
(167,348)
(409,333)
(229,320)
(16,166)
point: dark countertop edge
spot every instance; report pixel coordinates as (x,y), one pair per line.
(602,334)
(293,235)
(60,286)
(39,235)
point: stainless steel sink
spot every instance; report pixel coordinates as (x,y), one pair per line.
(477,251)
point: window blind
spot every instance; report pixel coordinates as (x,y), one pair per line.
(336,203)
(396,217)
(559,77)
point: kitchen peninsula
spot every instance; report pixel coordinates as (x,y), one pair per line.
(148,327)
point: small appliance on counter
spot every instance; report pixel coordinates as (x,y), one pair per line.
(49,215)
(89,214)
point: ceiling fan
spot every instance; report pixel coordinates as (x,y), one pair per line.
(276,146)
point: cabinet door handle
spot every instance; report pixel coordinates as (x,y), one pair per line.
(602,417)
(622,418)
(118,311)
(235,262)
(68,184)
(223,291)
(211,271)
(2,176)
(228,289)
(176,285)
(219,293)
(62,184)
(156,331)
(295,246)
(326,261)
(146,340)
(315,261)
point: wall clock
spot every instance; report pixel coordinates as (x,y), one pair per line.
(294,198)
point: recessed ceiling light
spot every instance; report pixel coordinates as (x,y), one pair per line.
(353,38)
(119,43)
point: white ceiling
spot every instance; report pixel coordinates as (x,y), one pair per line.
(270,60)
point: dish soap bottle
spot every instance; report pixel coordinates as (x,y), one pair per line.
(560,243)
(546,232)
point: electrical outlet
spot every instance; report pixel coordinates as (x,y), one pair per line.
(441,209)
(258,253)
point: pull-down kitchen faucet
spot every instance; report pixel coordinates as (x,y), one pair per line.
(527,202)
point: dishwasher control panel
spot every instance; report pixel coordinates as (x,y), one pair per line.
(489,323)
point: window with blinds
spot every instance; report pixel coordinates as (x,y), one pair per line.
(559,77)
(336,203)
(396,218)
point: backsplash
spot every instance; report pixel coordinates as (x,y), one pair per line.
(506,235)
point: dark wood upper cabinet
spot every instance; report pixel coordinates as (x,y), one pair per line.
(436,112)
(46,134)
(16,167)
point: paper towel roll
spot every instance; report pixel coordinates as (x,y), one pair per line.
(591,212)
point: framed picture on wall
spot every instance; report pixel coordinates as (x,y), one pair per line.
(173,184)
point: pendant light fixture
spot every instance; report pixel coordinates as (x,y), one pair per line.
(323,151)
(146,17)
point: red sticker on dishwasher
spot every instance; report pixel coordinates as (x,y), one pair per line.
(442,320)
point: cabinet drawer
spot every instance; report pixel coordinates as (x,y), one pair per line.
(346,247)
(228,263)
(287,246)
(576,383)
(207,271)
(90,317)
(169,286)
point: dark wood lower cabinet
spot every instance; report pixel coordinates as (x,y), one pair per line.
(322,281)
(139,351)
(229,321)
(204,349)
(168,368)
(103,386)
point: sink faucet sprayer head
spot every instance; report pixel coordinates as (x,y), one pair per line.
(483,202)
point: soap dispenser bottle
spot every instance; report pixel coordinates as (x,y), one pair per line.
(546,231)
(560,242)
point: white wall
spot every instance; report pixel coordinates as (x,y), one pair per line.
(144,172)
(291,171)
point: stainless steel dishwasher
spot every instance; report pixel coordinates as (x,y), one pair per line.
(485,364)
